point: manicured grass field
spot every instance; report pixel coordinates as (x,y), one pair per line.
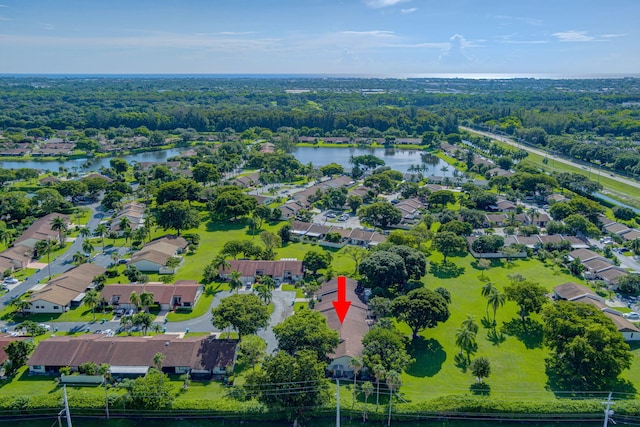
(516,352)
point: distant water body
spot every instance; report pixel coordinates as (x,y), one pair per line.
(466,76)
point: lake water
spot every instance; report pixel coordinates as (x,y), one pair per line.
(95,164)
(400,160)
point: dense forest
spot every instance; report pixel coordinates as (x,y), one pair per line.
(596,121)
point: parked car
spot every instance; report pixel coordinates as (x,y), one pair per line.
(11,281)
(631,315)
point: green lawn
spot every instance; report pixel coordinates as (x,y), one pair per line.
(202,306)
(517,356)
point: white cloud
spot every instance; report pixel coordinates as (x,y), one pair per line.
(235,33)
(573,36)
(409,10)
(455,54)
(511,39)
(373,33)
(377,4)
(3,5)
(49,27)
(611,36)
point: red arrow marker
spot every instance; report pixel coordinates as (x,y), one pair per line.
(342,305)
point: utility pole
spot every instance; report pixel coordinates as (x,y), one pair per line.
(337,403)
(66,406)
(106,397)
(608,412)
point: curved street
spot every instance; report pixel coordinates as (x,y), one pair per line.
(282,300)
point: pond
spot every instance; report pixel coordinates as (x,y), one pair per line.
(90,164)
(400,160)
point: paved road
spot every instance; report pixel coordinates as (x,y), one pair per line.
(58,266)
(283,308)
(544,153)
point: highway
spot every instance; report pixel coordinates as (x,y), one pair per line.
(544,153)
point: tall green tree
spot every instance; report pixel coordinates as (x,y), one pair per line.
(292,384)
(530,297)
(306,330)
(91,299)
(178,216)
(246,313)
(59,224)
(420,308)
(587,352)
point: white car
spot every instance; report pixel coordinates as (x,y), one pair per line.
(631,315)
(11,281)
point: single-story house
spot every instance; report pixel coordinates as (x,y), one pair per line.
(183,293)
(202,357)
(584,255)
(503,205)
(15,258)
(581,294)
(66,290)
(134,212)
(289,210)
(40,230)
(288,270)
(616,228)
(352,330)
(630,235)
(154,256)
(611,275)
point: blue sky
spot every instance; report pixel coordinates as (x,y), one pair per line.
(372,37)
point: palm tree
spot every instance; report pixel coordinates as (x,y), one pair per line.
(146,299)
(356,364)
(60,225)
(126,322)
(466,340)
(268,282)
(470,324)
(264,292)
(235,283)
(87,247)
(221,263)
(44,247)
(495,300)
(144,320)
(91,299)
(124,224)
(393,382)
(84,232)
(158,358)
(115,257)
(487,290)
(134,298)
(79,258)
(21,305)
(379,371)
(127,233)
(367,390)
(100,280)
(101,230)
